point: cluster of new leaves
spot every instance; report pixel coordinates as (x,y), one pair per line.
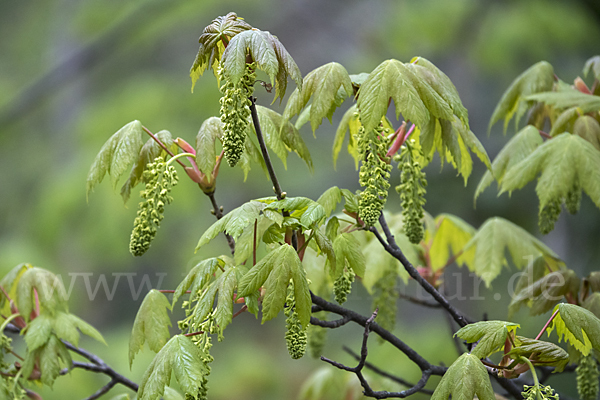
(35,301)
(568,162)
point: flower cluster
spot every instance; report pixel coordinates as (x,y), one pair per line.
(160,179)
(539,392)
(384,298)
(548,215)
(374,173)
(235,110)
(412,190)
(342,286)
(295,335)
(587,378)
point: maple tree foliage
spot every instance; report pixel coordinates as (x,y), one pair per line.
(293,254)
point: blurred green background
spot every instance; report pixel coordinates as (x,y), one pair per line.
(74,72)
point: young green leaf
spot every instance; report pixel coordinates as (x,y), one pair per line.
(308,211)
(452,234)
(269,55)
(233,222)
(565,121)
(580,327)
(211,43)
(116,155)
(274,271)
(326,247)
(442,85)
(150,150)
(38,284)
(567,99)
(330,199)
(281,136)
(537,78)
(465,379)
(588,128)
(64,325)
(540,352)
(542,295)
(224,286)
(9,283)
(564,161)
(593,64)
(535,271)
(491,241)
(452,139)
(518,148)
(211,131)
(349,122)
(490,334)
(151,324)
(49,358)
(347,252)
(391,79)
(197,278)
(592,303)
(179,355)
(322,85)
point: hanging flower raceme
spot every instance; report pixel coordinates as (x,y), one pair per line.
(235,110)
(412,191)
(295,335)
(160,179)
(374,173)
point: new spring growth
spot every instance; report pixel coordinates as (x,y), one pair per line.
(206,181)
(295,335)
(235,110)
(412,190)
(374,173)
(160,178)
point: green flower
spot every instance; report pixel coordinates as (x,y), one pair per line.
(295,335)
(412,190)
(342,286)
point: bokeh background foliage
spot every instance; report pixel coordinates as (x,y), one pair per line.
(73,72)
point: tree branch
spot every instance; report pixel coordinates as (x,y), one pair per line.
(391,247)
(219,214)
(362,360)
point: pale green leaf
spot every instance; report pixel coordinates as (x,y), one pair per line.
(52,356)
(233,222)
(578,326)
(197,278)
(492,240)
(535,271)
(491,336)
(518,148)
(347,251)
(537,78)
(172,394)
(276,284)
(540,352)
(348,121)
(119,152)
(322,85)
(150,150)
(38,331)
(211,46)
(50,290)
(330,199)
(543,294)
(563,162)
(211,131)
(588,128)
(567,99)
(451,237)
(179,355)
(592,303)
(287,67)
(151,324)
(9,283)
(86,328)
(466,378)
(258,274)
(565,121)
(391,79)
(592,64)
(326,247)
(306,210)
(222,289)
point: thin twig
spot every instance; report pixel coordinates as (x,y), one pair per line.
(330,324)
(219,215)
(385,374)
(263,149)
(546,326)
(421,302)
(391,247)
(103,390)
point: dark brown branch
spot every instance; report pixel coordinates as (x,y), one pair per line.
(385,374)
(103,390)
(391,247)
(361,320)
(368,391)
(421,302)
(264,151)
(219,214)
(330,324)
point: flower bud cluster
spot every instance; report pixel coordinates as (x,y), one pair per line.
(539,392)
(374,173)
(587,378)
(295,335)
(573,199)
(412,191)
(548,215)
(235,110)
(342,286)
(160,179)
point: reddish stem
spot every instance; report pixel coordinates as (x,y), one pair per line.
(161,144)
(194,333)
(546,326)
(544,134)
